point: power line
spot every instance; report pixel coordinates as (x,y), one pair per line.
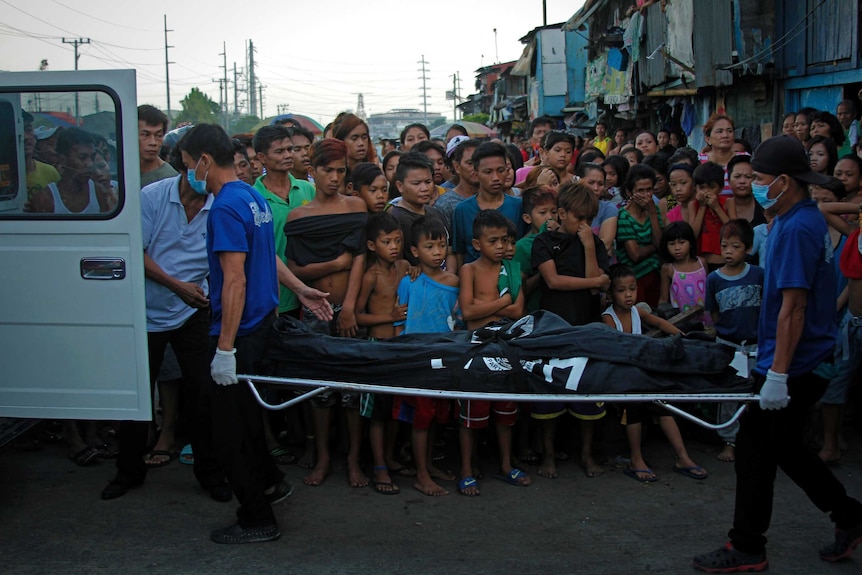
(99,19)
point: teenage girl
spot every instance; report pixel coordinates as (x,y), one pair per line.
(683,276)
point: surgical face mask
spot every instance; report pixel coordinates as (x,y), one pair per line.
(200,186)
(761,193)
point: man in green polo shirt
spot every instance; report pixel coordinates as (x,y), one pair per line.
(282,191)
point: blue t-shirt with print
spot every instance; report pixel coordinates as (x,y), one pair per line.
(240,221)
(429,304)
(462,224)
(737,300)
(799,255)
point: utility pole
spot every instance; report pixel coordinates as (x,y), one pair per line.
(282,109)
(167,68)
(221,98)
(260,98)
(455,97)
(235,92)
(224,69)
(424,78)
(544,12)
(252,81)
(77,42)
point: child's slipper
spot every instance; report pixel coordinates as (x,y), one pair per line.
(695,472)
(633,473)
(514,477)
(187,456)
(385,487)
(466,483)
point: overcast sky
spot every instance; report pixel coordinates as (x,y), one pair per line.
(314,56)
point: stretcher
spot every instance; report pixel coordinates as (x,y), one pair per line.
(539,358)
(315,386)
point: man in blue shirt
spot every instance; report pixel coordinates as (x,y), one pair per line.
(244,277)
(795,334)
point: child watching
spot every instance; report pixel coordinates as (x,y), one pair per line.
(625,316)
(572,263)
(558,147)
(414,179)
(733,294)
(709,183)
(378,309)
(540,209)
(639,227)
(489,162)
(683,277)
(431,300)
(681,184)
(490,290)
(326,247)
(367,181)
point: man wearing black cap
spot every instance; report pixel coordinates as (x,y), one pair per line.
(795,334)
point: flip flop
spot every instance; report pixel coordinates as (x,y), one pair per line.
(512,477)
(468,482)
(283,456)
(633,473)
(148,458)
(85,457)
(395,490)
(187,456)
(690,472)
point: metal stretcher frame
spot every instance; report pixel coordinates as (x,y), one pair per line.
(318,386)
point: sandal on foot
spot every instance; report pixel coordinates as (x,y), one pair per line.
(513,477)
(187,456)
(466,483)
(727,559)
(381,487)
(148,458)
(695,472)
(85,457)
(283,456)
(633,473)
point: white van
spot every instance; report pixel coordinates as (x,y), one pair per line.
(73,339)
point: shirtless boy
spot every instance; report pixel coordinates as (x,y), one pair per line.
(378,309)
(490,291)
(326,249)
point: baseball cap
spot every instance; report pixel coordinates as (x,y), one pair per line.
(786,155)
(44,132)
(453,143)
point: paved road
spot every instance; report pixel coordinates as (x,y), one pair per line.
(52,521)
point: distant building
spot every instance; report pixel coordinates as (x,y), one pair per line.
(389,124)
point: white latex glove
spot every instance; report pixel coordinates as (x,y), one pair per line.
(773,394)
(223,367)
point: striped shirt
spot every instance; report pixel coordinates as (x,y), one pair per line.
(628,228)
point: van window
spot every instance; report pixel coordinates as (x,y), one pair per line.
(58,155)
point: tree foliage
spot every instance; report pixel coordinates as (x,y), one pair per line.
(198,108)
(243,124)
(480,118)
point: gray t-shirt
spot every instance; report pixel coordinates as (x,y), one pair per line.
(162,172)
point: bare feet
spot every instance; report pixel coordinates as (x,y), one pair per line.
(356,477)
(440,474)
(308,458)
(830,456)
(548,468)
(591,468)
(382,482)
(727,454)
(427,486)
(317,475)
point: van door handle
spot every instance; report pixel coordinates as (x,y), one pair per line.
(103,268)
